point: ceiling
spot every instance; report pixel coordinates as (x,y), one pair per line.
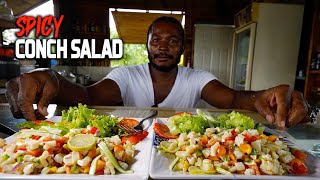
(20,7)
(128,22)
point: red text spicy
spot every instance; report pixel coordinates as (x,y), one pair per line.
(43,25)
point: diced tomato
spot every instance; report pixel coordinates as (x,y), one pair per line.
(23,148)
(93,130)
(118,148)
(298,167)
(35,152)
(47,139)
(163,131)
(35,137)
(63,150)
(50,151)
(100,172)
(182,114)
(58,145)
(234,133)
(62,140)
(254,138)
(134,139)
(230,138)
(247,137)
(300,155)
(233,136)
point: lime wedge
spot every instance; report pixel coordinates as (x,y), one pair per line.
(81,142)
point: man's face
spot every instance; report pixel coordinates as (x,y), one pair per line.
(164,46)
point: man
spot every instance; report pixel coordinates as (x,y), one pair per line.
(160,83)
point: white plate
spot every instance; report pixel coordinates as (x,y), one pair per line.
(159,166)
(140,165)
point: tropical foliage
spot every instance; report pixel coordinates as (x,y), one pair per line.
(133,54)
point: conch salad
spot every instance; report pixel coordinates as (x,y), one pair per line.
(227,144)
(48,149)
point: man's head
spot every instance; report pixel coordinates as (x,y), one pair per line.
(165,43)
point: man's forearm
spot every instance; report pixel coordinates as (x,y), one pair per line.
(245,100)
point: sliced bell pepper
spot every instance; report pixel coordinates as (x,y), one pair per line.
(134,139)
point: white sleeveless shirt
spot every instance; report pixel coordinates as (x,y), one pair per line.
(136,87)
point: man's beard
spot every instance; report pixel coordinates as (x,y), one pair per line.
(161,68)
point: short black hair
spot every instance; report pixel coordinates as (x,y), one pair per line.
(167,19)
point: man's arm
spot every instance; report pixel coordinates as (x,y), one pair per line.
(289,106)
(105,92)
(44,86)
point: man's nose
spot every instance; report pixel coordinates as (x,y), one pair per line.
(164,45)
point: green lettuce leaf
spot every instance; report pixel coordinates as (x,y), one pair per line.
(198,123)
(186,123)
(236,120)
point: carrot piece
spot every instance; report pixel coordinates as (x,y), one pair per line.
(100,165)
(246,148)
(232,156)
(256,169)
(204,140)
(272,138)
(221,151)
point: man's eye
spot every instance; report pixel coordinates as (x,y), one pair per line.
(155,40)
(173,41)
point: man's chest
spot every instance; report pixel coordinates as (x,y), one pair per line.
(162,90)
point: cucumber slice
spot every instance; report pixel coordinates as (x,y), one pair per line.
(174,163)
(113,160)
(223,171)
(196,170)
(170,147)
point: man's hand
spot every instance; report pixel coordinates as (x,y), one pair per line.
(283,106)
(37,87)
